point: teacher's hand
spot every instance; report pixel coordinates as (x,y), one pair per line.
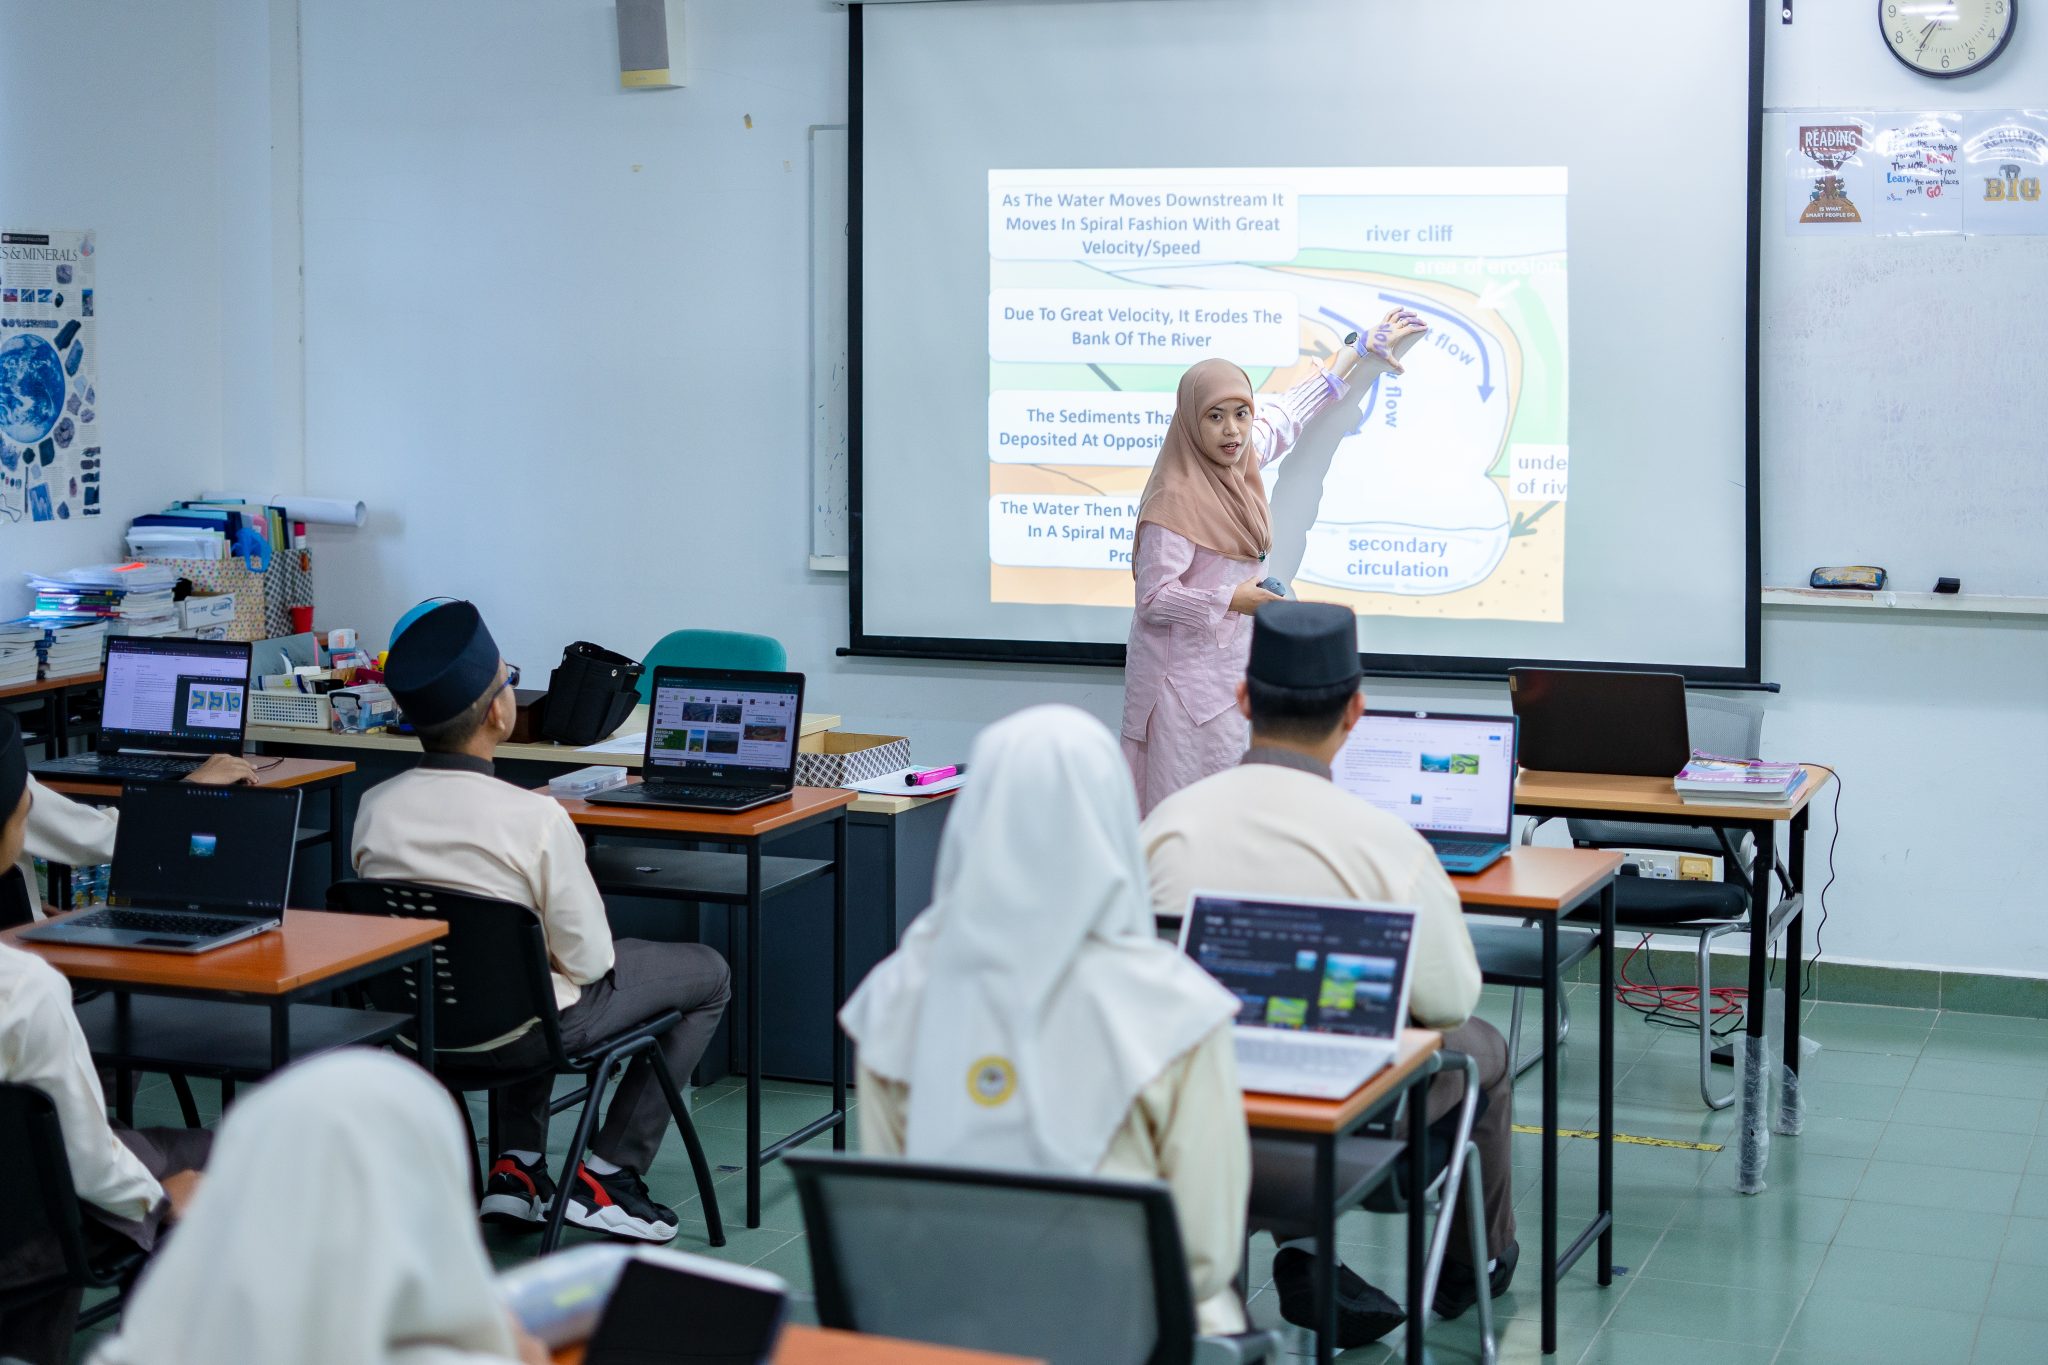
(1249,597)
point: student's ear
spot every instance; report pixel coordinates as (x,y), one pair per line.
(1244,700)
(505,709)
(1354,711)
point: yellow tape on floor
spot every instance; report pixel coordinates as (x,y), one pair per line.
(1625,1137)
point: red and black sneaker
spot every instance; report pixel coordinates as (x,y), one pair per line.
(517,1193)
(619,1205)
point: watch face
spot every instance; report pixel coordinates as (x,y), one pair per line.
(1945,38)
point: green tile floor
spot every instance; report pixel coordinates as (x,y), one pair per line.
(1908,1224)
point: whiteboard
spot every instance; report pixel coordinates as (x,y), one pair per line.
(828,346)
(1902,384)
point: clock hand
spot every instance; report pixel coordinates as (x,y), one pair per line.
(1927,36)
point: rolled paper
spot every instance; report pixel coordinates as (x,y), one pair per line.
(326,511)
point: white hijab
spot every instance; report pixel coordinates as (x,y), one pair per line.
(334,1224)
(1032,1003)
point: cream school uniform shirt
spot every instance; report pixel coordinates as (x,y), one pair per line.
(1263,829)
(451,824)
(61,830)
(42,1045)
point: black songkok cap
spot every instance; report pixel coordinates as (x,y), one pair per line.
(442,665)
(13,764)
(1304,645)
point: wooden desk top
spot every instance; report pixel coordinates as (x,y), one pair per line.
(821,1346)
(868,803)
(635,725)
(807,804)
(41,685)
(313,946)
(1417,1046)
(1596,794)
(289,772)
(1538,879)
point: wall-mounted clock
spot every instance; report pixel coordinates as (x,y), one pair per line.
(1944,38)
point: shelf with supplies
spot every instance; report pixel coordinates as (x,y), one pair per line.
(1955,603)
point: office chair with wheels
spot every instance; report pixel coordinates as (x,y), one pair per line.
(1071,1270)
(491,976)
(42,1211)
(1703,910)
(711,649)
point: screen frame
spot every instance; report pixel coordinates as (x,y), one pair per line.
(113,740)
(720,774)
(1471,668)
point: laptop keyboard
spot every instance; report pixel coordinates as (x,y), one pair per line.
(122,765)
(157,922)
(1295,1054)
(1475,850)
(722,796)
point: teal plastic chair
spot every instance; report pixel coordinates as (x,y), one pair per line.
(712,649)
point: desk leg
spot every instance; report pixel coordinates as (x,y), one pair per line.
(281,1036)
(1752,1130)
(838,979)
(1326,1249)
(124,1080)
(337,853)
(58,714)
(1552,993)
(423,1035)
(60,884)
(1416,1193)
(1606,1178)
(1792,1107)
(753,1033)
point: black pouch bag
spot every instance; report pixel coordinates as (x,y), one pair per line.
(590,694)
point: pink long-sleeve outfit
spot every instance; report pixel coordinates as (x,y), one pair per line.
(1187,648)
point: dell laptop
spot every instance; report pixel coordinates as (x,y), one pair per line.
(169,704)
(1321,986)
(195,867)
(1583,720)
(718,739)
(1452,778)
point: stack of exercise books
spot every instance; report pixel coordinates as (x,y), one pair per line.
(132,599)
(1712,780)
(20,659)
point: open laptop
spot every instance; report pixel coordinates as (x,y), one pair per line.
(720,739)
(195,867)
(1452,778)
(1582,720)
(166,701)
(1322,986)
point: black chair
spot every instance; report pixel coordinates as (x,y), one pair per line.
(491,976)
(1072,1270)
(42,1209)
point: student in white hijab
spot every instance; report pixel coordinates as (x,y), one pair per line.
(1033,1019)
(338,1228)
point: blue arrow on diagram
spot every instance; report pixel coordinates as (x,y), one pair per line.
(1485,363)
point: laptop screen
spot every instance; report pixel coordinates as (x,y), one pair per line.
(176,694)
(726,725)
(1442,774)
(227,850)
(1322,966)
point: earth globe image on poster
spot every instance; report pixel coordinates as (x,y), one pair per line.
(31,388)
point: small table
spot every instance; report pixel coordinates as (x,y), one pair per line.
(823,1346)
(308,775)
(55,694)
(1652,800)
(1322,1124)
(314,953)
(1547,884)
(744,880)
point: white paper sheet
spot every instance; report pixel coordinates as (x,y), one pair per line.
(635,743)
(892,784)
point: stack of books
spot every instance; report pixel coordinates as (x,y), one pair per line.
(1711,780)
(74,647)
(20,660)
(132,599)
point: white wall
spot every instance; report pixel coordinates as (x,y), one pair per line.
(555,335)
(108,121)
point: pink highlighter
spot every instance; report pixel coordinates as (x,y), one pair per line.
(935,775)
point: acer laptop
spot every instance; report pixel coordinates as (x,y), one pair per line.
(169,704)
(195,867)
(720,739)
(1452,778)
(1583,720)
(1322,986)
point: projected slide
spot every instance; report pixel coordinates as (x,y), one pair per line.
(1440,492)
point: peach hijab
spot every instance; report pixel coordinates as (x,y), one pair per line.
(1220,507)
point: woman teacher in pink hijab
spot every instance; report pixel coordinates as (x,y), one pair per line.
(1204,531)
